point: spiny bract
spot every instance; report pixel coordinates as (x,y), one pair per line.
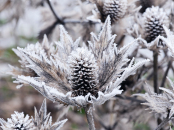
(75,75)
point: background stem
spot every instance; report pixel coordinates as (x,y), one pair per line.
(155,68)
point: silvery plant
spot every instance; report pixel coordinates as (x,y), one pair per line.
(162,103)
(73,75)
(149,26)
(41,121)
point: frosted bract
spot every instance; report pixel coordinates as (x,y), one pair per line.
(77,76)
(160,103)
(43,121)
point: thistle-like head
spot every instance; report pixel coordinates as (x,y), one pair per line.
(154,18)
(83,73)
(17,122)
(74,75)
(116,9)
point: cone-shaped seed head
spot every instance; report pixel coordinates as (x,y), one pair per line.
(83,73)
(154,19)
(115,8)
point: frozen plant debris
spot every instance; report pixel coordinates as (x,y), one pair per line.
(42,121)
(74,75)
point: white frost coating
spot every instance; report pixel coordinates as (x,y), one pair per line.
(169,41)
(17,120)
(103,97)
(50,70)
(160,103)
(130,70)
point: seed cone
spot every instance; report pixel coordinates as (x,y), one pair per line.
(115,8)
(154,19)
(83,78)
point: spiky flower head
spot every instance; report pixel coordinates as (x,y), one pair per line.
(160,103)
(17,122)
(116,9)
(83,73)
(149,26)
(154,18)
(79,76)
(43,121)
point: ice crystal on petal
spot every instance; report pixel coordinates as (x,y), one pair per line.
(17,122)
(74,75)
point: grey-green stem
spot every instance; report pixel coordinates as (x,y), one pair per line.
(89,116)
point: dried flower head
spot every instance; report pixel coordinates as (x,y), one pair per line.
(17,122)
(154,18)
(116,9)
(75,75)
(42,121)
(160,103)
(83,73)
(150,25)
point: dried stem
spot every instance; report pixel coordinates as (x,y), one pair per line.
(165,75)
(89,116)
(54,13)
(50,28)
(160,126)
(155,74)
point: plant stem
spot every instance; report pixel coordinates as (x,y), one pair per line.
(155,74)
(165,75)
(89,116)
(54,13)
(163,123)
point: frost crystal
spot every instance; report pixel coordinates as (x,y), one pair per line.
(74,75)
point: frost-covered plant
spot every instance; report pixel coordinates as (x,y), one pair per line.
(160,103)
(42,121)
(74,75)
(150,25)
(116,9)
(17,122)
